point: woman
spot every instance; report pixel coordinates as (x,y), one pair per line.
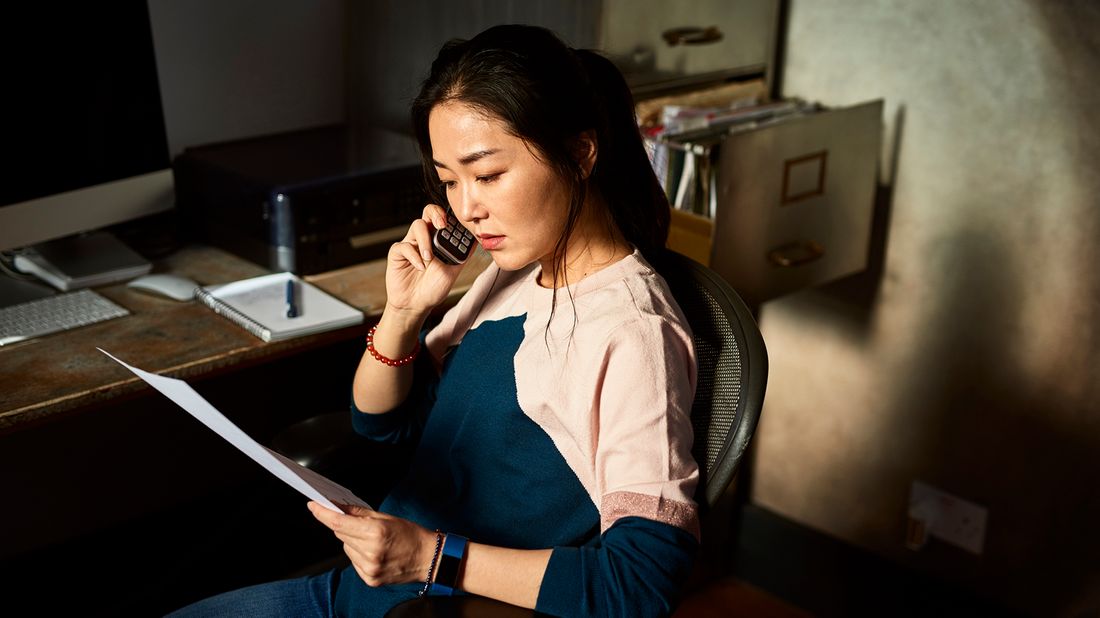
(551,404)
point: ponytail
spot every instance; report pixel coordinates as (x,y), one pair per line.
(623,172)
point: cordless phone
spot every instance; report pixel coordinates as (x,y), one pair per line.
(454,243)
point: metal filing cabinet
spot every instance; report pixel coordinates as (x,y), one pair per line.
(786,199)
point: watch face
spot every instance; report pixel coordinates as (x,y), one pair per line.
(450,563)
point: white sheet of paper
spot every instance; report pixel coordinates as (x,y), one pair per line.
(312,485)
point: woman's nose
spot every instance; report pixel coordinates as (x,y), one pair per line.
(468,207)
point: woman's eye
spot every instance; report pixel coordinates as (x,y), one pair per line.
(488,178)
(448,185)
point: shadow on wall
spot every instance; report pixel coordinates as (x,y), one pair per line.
(1063,488)
(975,371)
(988,434)
(978,431)
(975,423)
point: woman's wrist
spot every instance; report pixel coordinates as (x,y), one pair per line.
(397,333)
(403,318)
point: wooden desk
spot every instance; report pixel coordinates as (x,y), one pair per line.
(97,466)
(64,373)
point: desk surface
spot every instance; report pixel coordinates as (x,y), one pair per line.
(64,372)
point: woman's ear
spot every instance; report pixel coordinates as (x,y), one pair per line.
(585,150)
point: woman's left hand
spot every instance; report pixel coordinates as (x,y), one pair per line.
(383,549)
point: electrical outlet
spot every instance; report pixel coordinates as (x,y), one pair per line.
(946,517)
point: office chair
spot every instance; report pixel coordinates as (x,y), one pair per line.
(732,376)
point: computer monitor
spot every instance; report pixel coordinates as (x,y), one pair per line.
(84,137)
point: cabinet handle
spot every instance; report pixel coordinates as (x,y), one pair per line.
(692,36)
(796,253)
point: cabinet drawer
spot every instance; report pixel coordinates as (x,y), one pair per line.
(794,200)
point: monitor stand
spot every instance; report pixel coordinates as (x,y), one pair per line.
(81,261)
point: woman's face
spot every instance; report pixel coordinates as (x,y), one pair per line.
(514,202)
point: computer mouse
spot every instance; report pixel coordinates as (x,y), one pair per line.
(176,287)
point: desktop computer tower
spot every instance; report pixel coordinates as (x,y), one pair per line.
(306,201)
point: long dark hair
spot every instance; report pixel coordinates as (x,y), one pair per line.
(547,94)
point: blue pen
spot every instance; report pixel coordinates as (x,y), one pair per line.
(291,303)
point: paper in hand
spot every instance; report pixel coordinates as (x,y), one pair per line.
(312,485)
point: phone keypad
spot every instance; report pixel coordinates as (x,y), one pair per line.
(454,242)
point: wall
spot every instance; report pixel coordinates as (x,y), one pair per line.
(392,45)
(239,69)
(966,356)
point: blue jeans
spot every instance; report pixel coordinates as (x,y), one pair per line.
(293,598)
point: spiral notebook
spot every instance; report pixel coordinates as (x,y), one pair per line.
(260,306)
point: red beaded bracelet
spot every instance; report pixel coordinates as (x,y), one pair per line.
(390,361)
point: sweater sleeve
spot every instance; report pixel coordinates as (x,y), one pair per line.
(645,477)
(634,569)
(643,461)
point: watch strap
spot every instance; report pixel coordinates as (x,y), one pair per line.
(450,563)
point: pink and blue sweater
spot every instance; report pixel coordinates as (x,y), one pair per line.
(568,431)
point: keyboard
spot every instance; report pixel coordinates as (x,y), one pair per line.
(55,313)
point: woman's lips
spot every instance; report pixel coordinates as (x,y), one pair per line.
(490,241)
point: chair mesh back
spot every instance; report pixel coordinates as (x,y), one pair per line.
(732,370)
(718,388)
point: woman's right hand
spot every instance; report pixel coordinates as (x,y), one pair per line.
(416,280)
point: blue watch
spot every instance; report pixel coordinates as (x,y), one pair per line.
(450,563)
